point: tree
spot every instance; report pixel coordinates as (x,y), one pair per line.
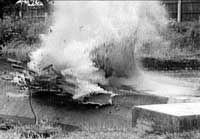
(6,5)
(9,5)
(46,5)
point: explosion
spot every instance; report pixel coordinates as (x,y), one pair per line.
(88,38)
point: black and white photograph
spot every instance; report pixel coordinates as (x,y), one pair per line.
(99,69)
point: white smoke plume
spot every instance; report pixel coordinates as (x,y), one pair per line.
(80,27)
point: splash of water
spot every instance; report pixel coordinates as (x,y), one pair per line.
(81,27)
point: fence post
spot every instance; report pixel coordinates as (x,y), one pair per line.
(199,19)
(179,11)
(45,17)
(20,13)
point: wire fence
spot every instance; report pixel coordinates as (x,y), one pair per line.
(190,9)
(33,13)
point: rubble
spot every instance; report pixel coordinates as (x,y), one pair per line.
(53,82)
(13,61)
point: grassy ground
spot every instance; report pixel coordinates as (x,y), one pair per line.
(45,130)
(24,132)
(55,132)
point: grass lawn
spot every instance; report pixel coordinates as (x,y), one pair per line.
(29,132)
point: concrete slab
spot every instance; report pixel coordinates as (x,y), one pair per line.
(58,109)
(132,99)
(168,117)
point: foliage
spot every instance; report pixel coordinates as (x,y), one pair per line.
(184,35)
(115,57)
(8,6)
(179,40)
(20,30)
(19,37)
(20,52)
(19,132)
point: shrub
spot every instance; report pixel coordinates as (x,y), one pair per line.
(116,57)
(20,29)
(180,39)
(19,37)
(184,35)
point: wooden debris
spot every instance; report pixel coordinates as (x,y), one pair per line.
(52,81)
(48,67)
(66,87)
(6,126)
(10,60)
(17,66)
(6,77)
(100,99)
